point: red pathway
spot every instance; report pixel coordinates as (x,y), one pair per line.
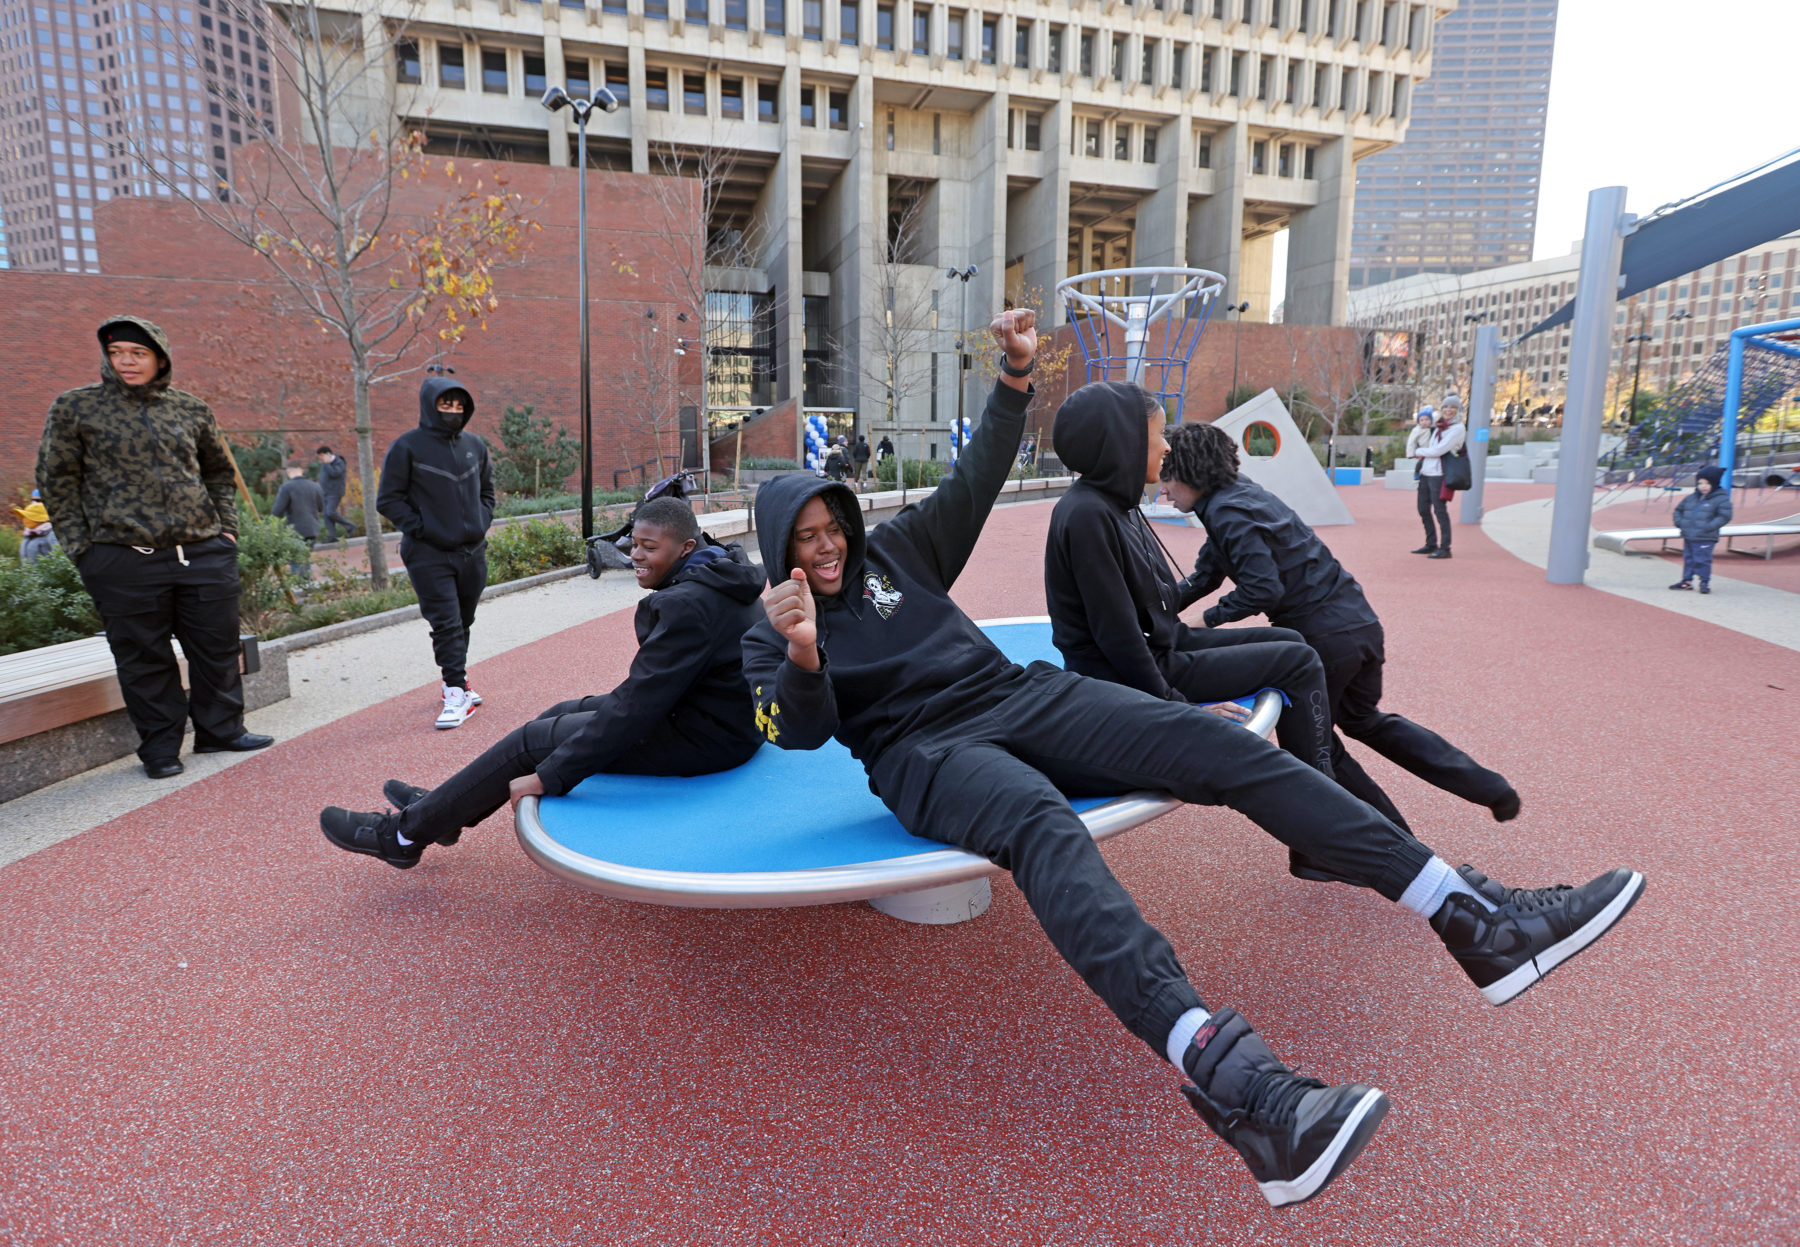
(216,1029)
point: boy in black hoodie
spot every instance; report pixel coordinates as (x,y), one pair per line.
(1282,570)
(1112,597)
(862,642)
(682,710)
(438,490)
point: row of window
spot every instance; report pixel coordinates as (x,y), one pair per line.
(1390,23)
(1384,95)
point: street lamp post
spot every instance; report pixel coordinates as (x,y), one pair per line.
(1236,343)
(962,358)
(1641,337)
(555,100)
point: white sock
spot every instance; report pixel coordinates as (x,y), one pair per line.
(1426,894)
(1182,1034)
(404,842)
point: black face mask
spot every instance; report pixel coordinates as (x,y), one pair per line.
(455,421)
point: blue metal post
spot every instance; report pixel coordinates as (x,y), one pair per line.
(1734,392)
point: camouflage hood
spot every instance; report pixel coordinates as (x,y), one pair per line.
(111,379)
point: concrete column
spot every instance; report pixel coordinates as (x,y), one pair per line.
(561,154)
(640,113)
(779,214)
(1318,276)
(1216,223)
(1162,218)
(1038,217)
(984,230)
(1256,277)
(862,230)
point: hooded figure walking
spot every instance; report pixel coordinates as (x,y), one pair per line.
(437,488)
(139,484)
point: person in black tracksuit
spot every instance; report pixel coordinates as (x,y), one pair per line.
(863,642)
(437,488)
(1112,597)
(682,710)
(1282,570)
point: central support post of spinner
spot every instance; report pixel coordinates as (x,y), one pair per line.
(1141,325)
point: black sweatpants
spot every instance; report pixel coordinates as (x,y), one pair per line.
(484,785)
(998,784)
(449,585)
(1218,664)
(333,519)
(1430,504)
(189,593)
(1353,663)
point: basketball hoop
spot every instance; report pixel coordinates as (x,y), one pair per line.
(1141,325)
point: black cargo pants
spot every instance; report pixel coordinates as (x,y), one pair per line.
(449,585)
(186,592)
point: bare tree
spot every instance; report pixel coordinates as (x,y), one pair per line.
(649,385)
(396,274)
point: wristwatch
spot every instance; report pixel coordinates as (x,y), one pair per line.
(1007,368)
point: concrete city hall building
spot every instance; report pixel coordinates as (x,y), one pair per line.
(869,147)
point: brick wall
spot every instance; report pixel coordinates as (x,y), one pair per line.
(771,435)
(263,365)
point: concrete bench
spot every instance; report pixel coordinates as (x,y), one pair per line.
(1617,542)
(61,711)
(819,835)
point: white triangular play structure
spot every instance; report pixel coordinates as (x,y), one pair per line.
(1292,473)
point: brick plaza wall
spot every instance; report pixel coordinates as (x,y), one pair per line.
(771,435)
(261,365)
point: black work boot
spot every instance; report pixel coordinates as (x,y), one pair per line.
(374,834)
(1295,1133)
(1530,931)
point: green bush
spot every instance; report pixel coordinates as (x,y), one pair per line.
(920,473)
(519,550)
(527,504)
(265,548)
(260,462)
(43,603)
(355,606)
(768,463)
(10,540)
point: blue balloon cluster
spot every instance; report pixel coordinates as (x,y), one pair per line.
(959,437)
(816,445)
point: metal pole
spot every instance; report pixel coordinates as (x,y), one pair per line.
(1734,394)
(1481,417)
(1590,360)
(587,414)
(962,365)
(1236,343)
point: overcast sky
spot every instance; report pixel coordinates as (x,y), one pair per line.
(1664,97)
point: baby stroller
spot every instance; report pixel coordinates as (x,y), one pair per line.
(613,549)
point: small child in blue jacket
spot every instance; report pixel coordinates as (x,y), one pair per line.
(1700,516)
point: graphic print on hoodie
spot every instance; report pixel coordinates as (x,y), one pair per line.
(897,655)
(436,483)
(1111,594)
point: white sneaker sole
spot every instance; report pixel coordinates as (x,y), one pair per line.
(1502,990)
(447,721)
(1346,1145)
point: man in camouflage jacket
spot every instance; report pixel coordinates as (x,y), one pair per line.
(139,483)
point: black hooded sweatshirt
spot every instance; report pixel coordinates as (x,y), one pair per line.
(1112,596)
(897,655)
(1279,568)
(688,672)
(436,484)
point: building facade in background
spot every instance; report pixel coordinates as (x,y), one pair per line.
(1461,194)
(117,97)
(858,149)
(1686,319)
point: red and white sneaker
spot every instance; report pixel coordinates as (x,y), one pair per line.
(474,697)
(457,708)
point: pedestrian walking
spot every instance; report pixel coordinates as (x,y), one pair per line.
(1434,500)
(333,472)
(139,483)
(39,535)
(300,502)
(437,488)
(859,455)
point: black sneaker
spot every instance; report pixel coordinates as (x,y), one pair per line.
(1532,931)
(374,834)
(1295,1133)
(401,794)
(1442,552)
(1426,550)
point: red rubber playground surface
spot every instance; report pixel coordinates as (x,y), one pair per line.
(214,1028)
